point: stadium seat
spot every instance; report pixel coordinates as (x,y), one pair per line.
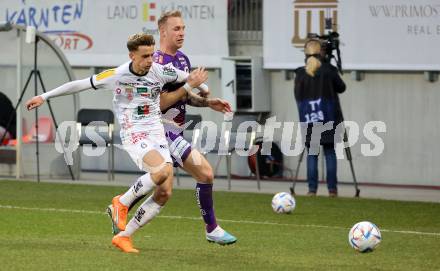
(229,139)
(46,132)
(97,118)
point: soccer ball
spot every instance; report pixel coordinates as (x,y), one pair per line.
(283,203)
(364,236)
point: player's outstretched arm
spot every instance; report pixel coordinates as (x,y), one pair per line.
(215,104)
(219,105)
(193,80)
(167,99)
(65,89)
(34,102)
(196,100)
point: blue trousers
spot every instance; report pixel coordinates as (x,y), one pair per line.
(331,165)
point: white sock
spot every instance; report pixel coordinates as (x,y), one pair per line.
(144,214)
(141,187)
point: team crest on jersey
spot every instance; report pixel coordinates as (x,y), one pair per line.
(155,91)
(105,74)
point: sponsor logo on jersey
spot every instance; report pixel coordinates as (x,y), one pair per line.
(105,74)
(138,136)
(139,83)
(129,92)
(126,122)
(169,71)
(143,91)
(127,84)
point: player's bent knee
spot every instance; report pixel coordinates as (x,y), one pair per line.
(162,175)
(163,192)
(209,175)
(205,175)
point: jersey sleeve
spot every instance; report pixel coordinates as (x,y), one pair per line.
(67,89)
(187,62)
(181,76)
(103,79)
(169,74)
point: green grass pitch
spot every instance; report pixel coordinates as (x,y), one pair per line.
(64,227)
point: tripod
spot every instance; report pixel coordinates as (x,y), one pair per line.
(37,77)
(349,158)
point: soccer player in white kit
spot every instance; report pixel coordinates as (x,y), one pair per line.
(136,86)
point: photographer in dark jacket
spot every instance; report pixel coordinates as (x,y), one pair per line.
(316,92)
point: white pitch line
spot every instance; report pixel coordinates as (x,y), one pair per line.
(221,220)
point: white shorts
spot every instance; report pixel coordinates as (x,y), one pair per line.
(138,150)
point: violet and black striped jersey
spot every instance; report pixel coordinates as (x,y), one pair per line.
(179,61)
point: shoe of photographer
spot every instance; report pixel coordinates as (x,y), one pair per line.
(332,194)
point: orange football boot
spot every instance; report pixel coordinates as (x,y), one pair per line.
(118,213)
(124,243)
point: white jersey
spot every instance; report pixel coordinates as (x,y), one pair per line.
(136,99)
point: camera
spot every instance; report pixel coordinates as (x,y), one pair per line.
(329,43)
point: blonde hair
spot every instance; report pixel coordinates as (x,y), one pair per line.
(164,17)
(140,39)
(312,47)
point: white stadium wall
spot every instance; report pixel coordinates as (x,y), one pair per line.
(393,89)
